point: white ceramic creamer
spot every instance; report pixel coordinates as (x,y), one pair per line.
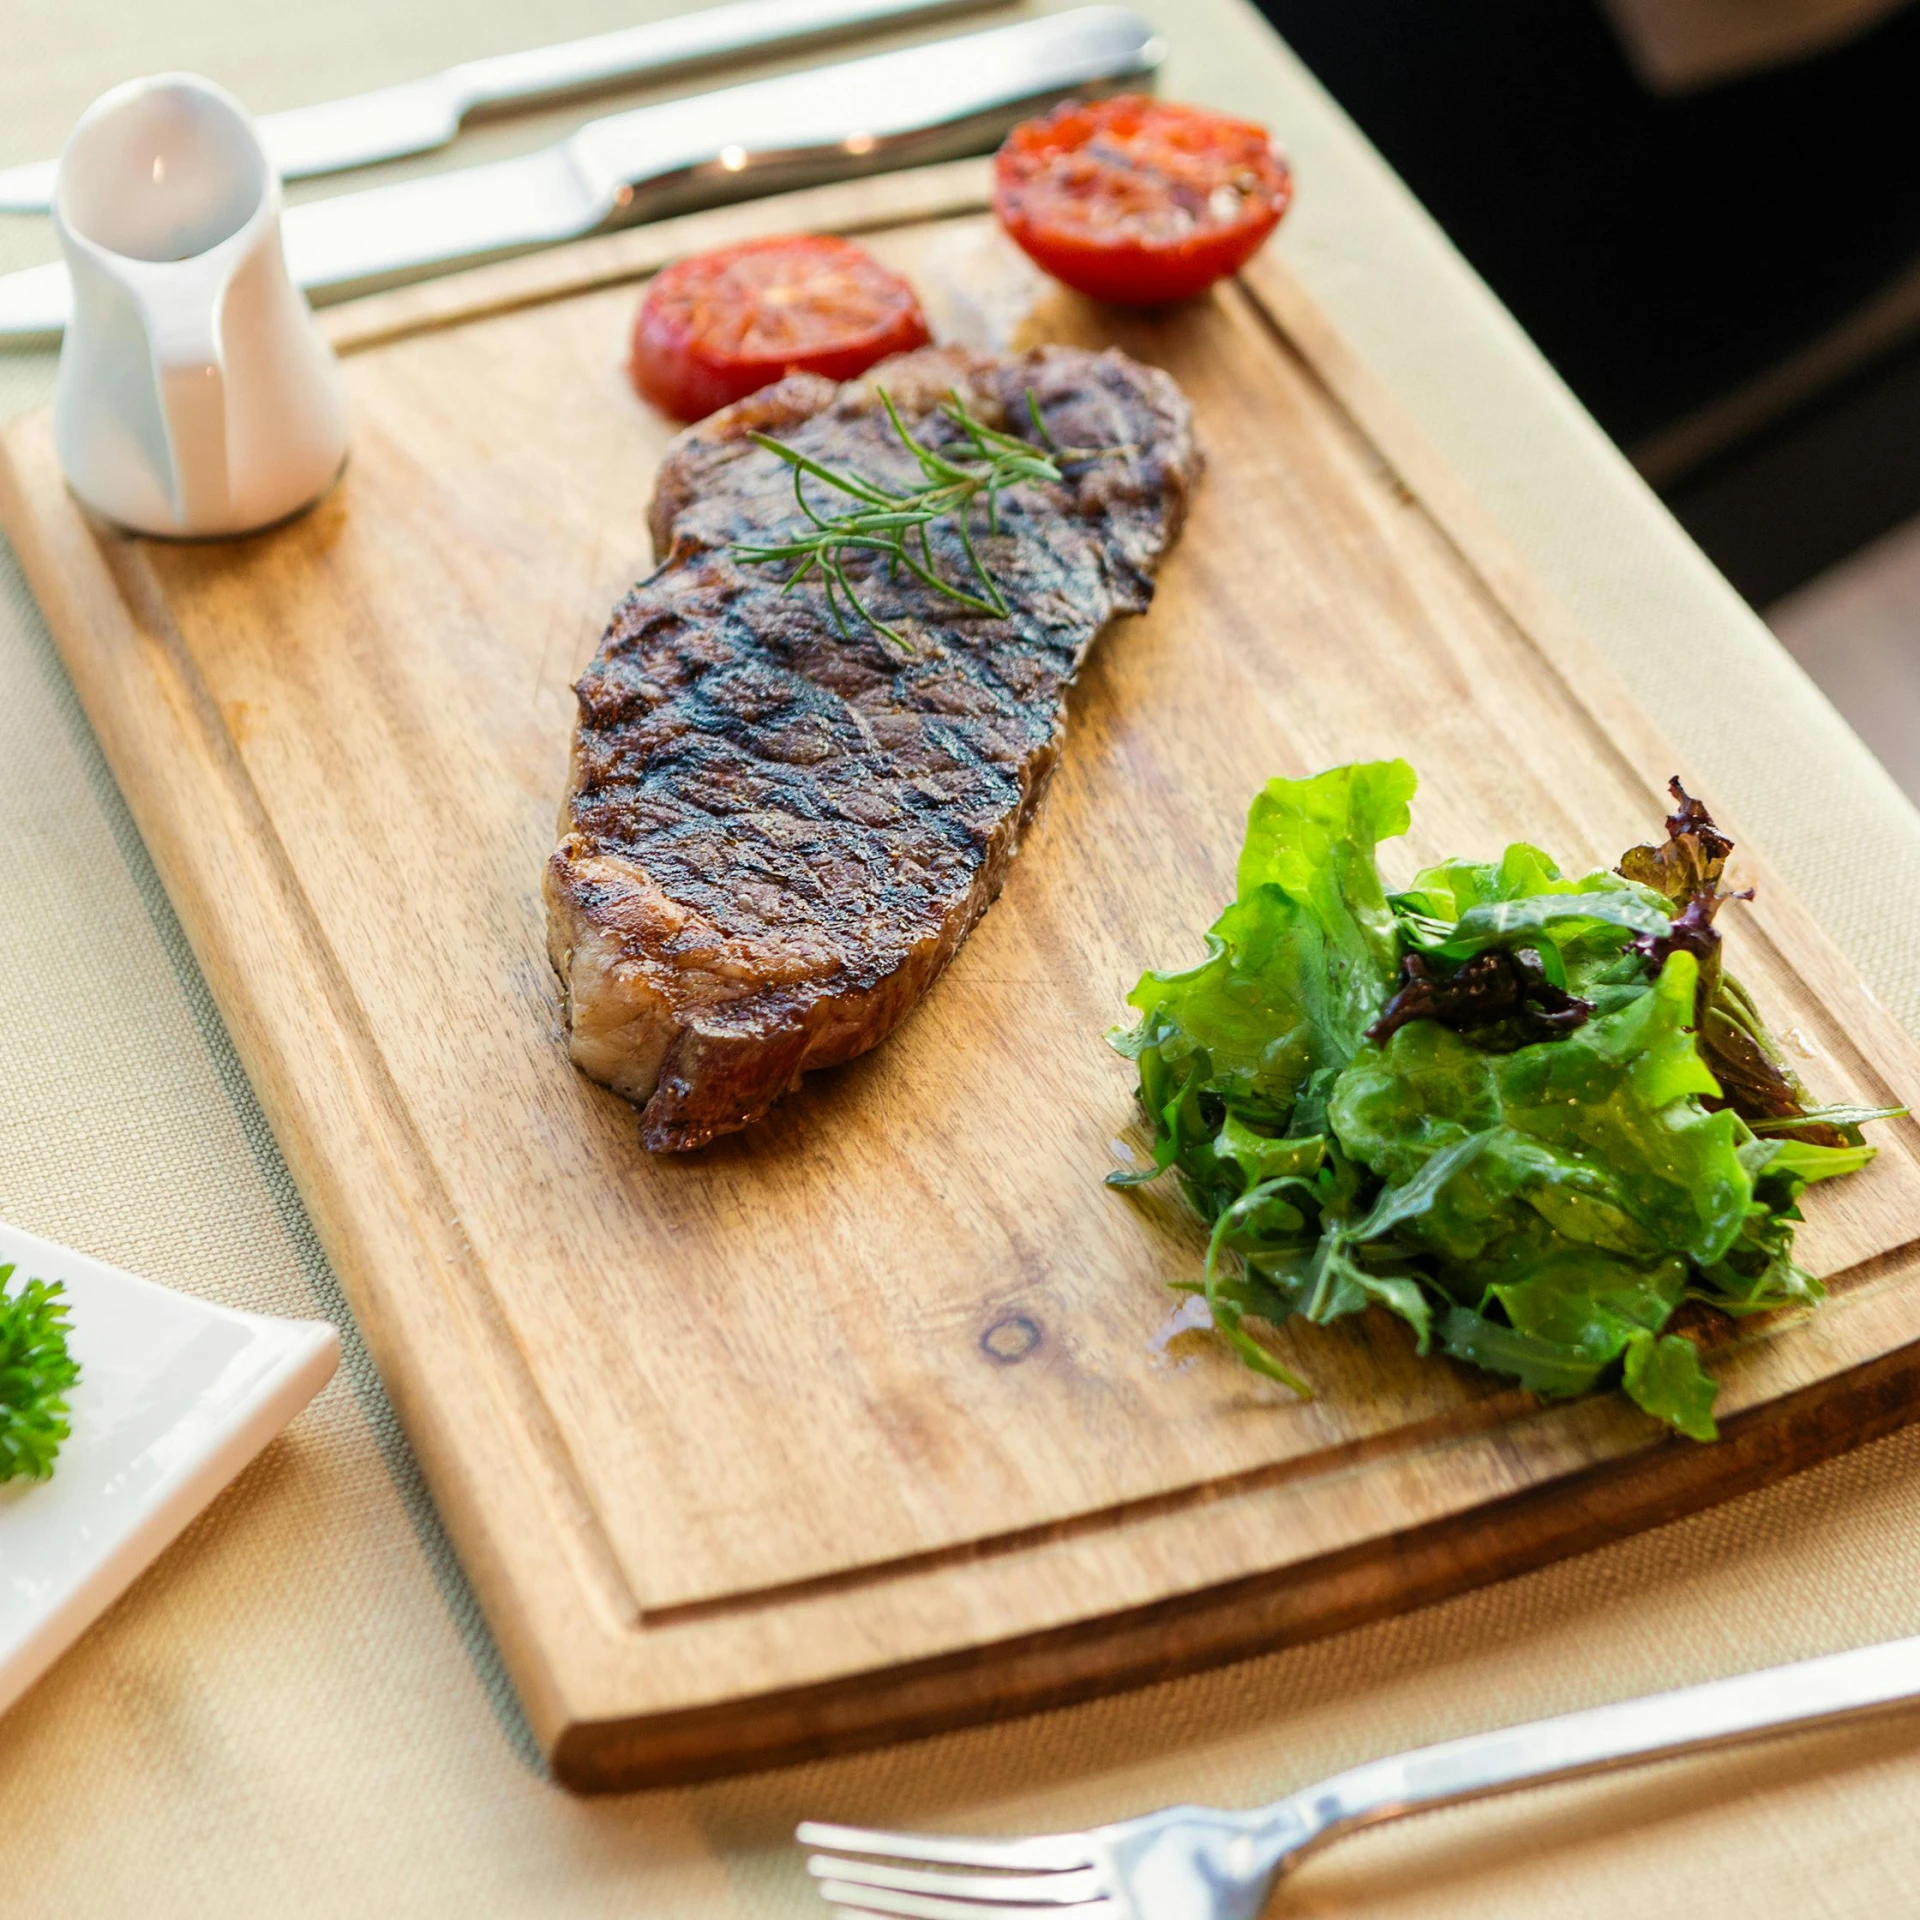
(195,395)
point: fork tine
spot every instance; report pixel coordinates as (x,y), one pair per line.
(1043,1853)
(1042,1889)
(921,1906)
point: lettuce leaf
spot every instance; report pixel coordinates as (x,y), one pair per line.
(1296,969)
(1536,1194)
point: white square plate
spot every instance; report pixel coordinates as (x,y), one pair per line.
(175,1397)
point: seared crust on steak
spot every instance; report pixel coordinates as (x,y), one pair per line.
(776,834)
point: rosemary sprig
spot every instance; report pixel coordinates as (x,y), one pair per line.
(982,465)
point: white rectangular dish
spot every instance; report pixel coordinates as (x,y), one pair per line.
(175,1396)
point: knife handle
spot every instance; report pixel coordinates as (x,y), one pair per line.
(639,53)
(860,116)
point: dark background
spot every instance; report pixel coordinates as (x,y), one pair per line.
(1666,253)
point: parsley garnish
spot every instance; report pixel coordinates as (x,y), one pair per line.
(36,1372)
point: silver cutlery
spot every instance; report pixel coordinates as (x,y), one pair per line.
(860,116)
(1203,1863)
(420,115)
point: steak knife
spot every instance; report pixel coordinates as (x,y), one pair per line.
(927,103)
(419,115)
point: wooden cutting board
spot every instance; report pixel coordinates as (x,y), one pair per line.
(870,1421)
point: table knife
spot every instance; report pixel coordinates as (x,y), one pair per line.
(927,103)
(420,115)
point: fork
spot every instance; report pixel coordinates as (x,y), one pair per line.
(1206,1863)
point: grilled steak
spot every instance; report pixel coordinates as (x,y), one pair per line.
(776,833)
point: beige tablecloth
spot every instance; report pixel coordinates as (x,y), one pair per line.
(298,1712)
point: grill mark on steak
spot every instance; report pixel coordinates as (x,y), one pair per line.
(776,836)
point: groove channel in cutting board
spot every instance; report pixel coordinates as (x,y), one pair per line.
(901,1323)
(838,1275)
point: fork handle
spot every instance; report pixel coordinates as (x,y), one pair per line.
(1720,1713)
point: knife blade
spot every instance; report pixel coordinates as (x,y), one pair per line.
(861,116)
(420,115)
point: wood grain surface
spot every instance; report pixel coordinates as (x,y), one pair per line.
(870,1420)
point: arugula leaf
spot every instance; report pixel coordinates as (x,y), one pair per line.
(1839,1116)
(36,1372)
(1551,1368)
(1490,1104)
(1666,1378)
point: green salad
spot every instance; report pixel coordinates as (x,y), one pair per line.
(1531,1115)
(36,1373)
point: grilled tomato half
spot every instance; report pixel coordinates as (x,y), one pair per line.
(1139,201)
(718,326)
